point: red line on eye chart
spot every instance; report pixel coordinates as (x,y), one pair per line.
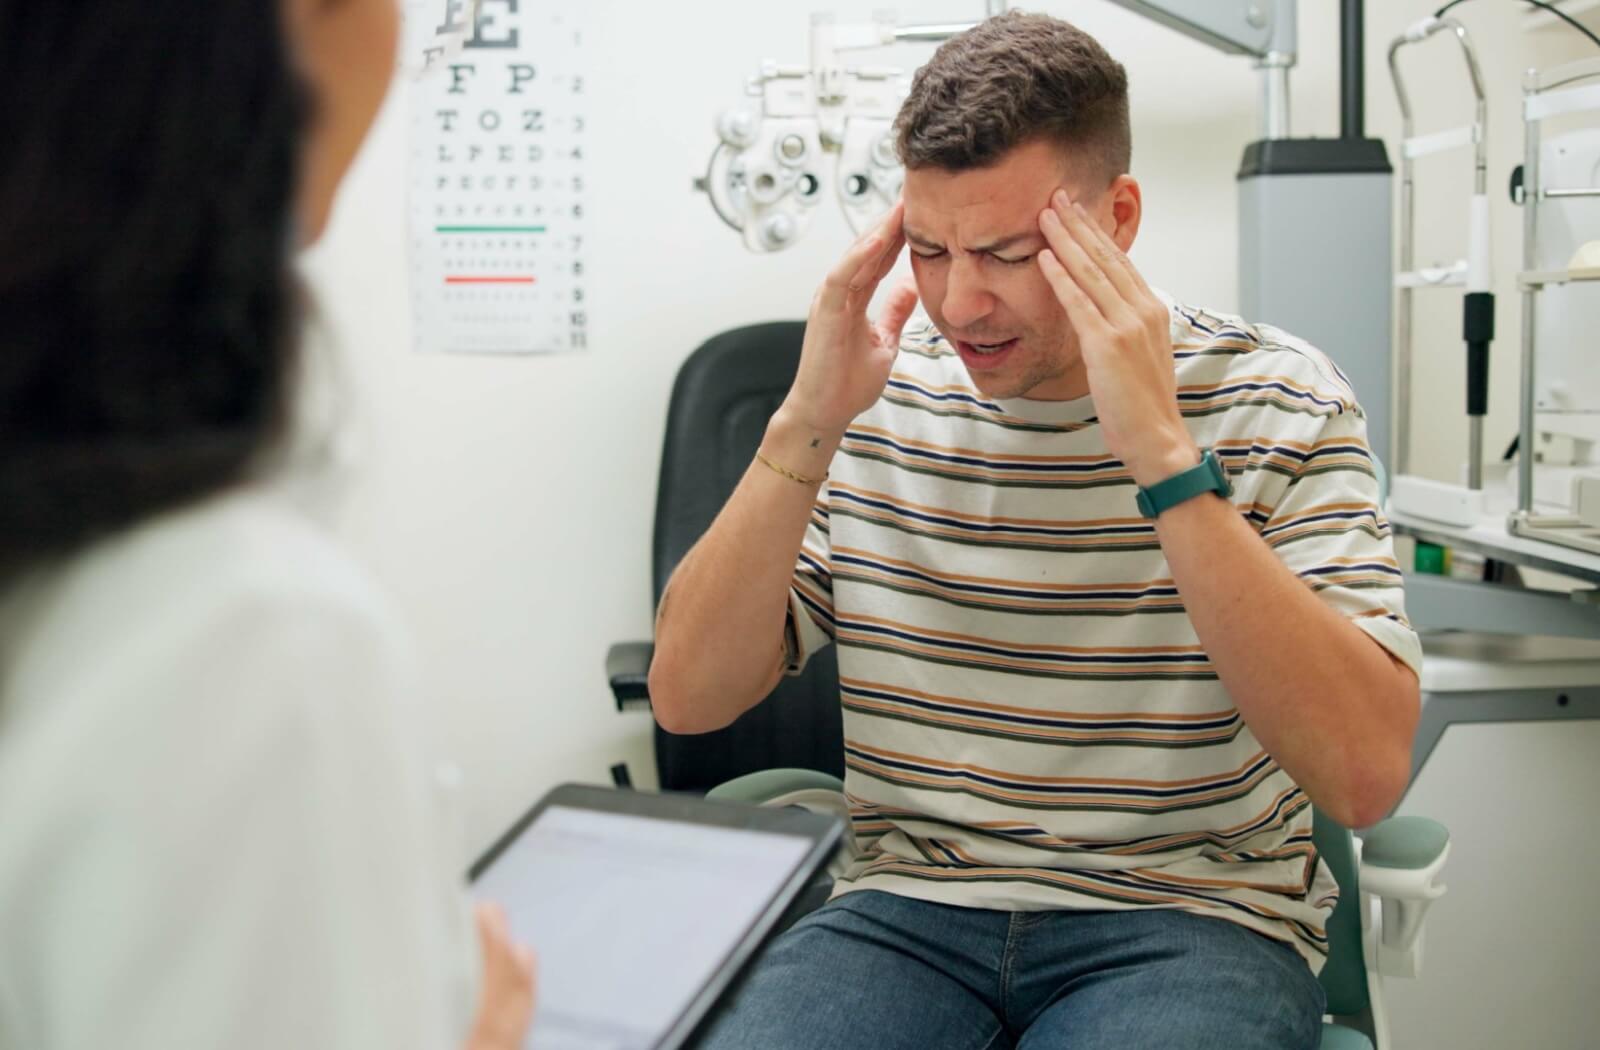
(488,280)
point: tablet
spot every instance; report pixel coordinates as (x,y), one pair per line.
(643,909)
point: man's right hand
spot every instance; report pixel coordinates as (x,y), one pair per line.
(720,632)
(846,359)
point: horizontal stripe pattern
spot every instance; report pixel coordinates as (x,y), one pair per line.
(1281,811)
(1030,719)
(1036,660)
(1039,724)
(976,467)
(960,403)
(1143,797)
(1005,595)
(1009,533)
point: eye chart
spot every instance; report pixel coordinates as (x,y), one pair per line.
(497,175)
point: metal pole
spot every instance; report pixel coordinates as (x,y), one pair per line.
(1402,415)
(1530,207)
(933,33)
(1274,66)
(1477,352)
(1475,452)
(1275,95)
(1401,450)
(1352,71)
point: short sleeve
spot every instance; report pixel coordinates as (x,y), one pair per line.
(810,624)
(1328,527)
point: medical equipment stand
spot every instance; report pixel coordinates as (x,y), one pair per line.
(1547,94)
(1448,502)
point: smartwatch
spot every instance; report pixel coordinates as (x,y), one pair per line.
(1205,476)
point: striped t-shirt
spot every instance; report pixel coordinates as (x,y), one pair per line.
(1030,722)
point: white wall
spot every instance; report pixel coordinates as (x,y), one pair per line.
(507,503)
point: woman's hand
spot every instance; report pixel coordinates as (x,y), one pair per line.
(505,1007)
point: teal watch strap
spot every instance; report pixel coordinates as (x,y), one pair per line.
(1205,476)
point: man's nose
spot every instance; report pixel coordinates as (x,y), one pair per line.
(967,299)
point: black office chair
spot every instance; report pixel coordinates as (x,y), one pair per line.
(724,395)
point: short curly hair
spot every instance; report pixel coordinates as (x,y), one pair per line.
(1008,81)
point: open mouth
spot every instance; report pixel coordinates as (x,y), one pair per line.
(985,355)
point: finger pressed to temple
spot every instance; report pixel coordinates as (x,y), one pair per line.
(1084,316)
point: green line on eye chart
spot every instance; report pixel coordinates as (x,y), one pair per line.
(489,229)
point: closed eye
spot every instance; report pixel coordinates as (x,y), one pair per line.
(1013,262)
(928,255)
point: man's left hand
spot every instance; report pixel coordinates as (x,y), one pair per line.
(1125,335)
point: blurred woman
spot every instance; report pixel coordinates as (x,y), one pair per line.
(218,826)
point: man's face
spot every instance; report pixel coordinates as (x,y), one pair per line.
(973,237)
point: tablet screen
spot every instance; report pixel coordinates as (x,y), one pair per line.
(630,916)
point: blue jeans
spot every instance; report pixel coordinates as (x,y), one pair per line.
(875,970)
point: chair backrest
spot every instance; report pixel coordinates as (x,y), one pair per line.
(724,394)
(1344,977)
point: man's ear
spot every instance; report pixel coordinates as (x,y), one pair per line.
(1126,210)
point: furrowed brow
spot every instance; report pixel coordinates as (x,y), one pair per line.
(1000,245)
(1005,242)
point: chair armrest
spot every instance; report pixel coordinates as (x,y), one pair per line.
(1405,843)
(806,788)
(628,668)
(771,787)
(1401,859)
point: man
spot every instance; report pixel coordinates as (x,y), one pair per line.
(1087,711)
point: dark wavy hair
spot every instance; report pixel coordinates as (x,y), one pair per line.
(1012,79)
(148,319)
